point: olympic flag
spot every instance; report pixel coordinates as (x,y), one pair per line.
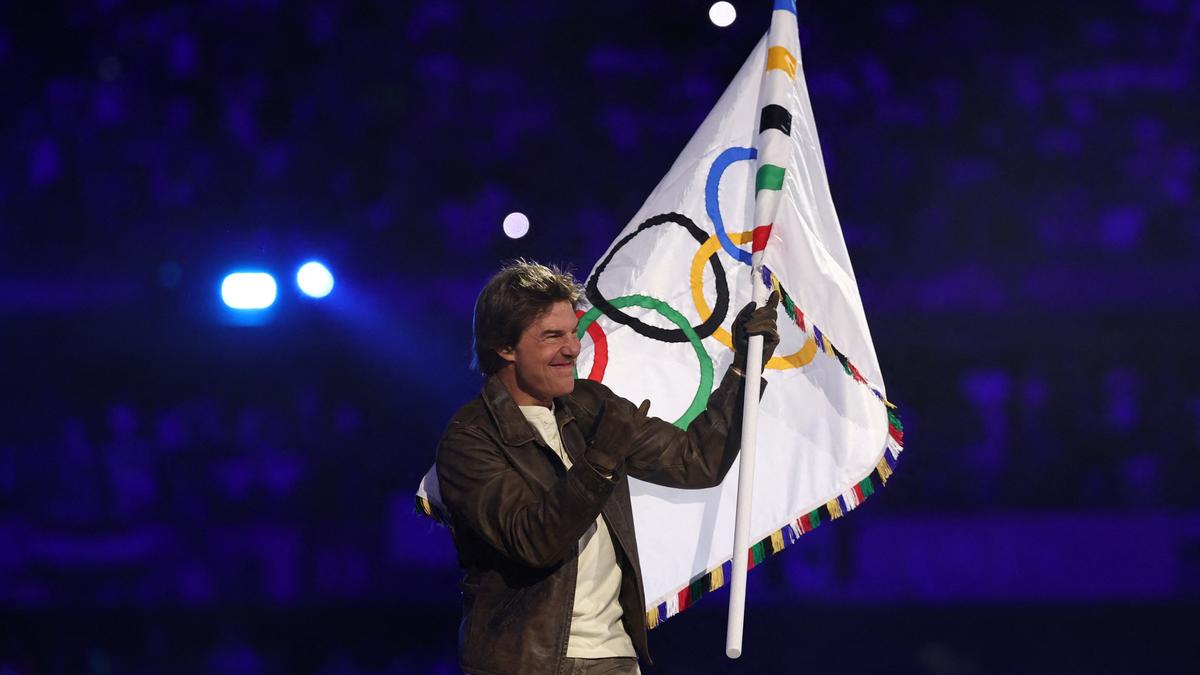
(655,325)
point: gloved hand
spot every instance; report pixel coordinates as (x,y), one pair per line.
(611,437)
(752,321)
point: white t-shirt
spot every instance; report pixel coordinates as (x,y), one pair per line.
(596,629)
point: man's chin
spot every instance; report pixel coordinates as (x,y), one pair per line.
(567,387)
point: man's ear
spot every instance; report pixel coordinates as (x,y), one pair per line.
(507,353)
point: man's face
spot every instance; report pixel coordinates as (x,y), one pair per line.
(544,357)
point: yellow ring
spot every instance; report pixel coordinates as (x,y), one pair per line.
(797,359)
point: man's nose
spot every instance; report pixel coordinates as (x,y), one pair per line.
(573,346)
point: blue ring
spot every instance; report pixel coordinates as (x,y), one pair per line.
(712,202)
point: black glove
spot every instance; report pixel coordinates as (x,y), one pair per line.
(611,437)
(752,321)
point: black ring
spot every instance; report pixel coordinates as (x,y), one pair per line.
(592,290)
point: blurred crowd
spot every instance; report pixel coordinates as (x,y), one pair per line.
(308,497)
(970,137)
(194,503)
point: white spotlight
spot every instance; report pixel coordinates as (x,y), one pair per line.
(722,14)
(248,290)
(516,225)
(314,279)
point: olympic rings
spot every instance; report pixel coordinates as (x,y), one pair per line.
(600,349)
(797,359)
(711,319)
(609,309)
(704,388)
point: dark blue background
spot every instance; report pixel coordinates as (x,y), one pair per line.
(180,493)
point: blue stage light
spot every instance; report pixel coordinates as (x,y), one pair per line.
(249,290)
(314,279)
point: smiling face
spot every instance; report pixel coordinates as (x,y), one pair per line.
(543,360)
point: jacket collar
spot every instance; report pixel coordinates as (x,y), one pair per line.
(514,428)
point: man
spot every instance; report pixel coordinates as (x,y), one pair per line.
(532,474)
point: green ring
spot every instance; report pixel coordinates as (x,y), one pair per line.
(704,390)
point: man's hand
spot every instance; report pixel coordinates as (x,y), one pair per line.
(751,321)
(611,439)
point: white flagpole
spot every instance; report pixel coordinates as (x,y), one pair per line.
(745,493)
(773,149)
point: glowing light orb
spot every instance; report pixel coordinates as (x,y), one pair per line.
(249,290)
(722,14)
(516,225)
(314,279)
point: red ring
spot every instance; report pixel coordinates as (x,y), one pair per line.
(600,346)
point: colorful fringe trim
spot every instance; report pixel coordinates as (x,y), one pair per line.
(789,533)
(824,344)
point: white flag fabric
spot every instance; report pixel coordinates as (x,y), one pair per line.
(657,315)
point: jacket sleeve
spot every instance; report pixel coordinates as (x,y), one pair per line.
(698,457)
(483,491)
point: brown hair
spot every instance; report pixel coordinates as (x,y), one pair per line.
(510,301)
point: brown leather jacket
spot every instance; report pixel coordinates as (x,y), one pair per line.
(517,514)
